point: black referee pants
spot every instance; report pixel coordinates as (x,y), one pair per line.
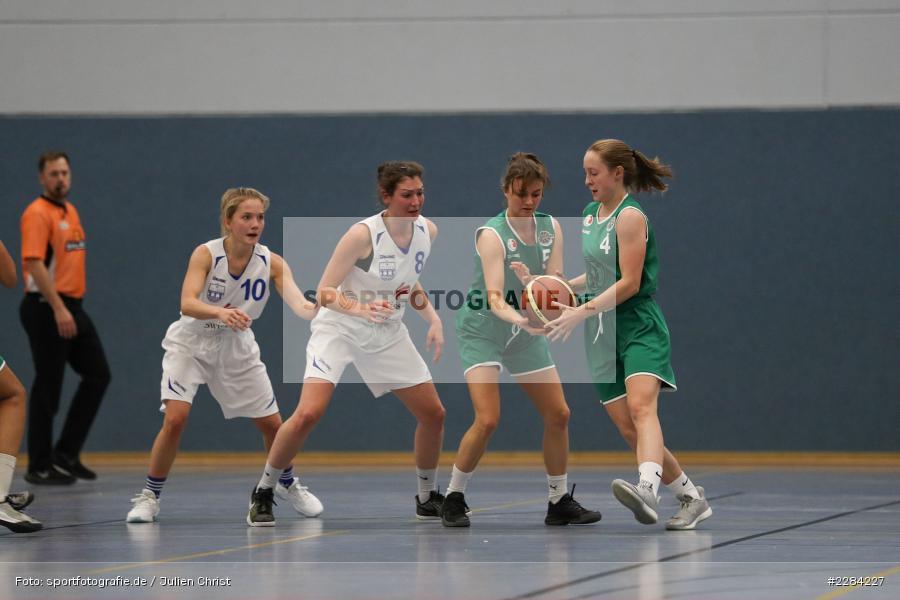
(51,352)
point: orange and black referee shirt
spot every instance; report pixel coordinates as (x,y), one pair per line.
(52,233)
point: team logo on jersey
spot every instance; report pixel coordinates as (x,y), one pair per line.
(545,238)
(215,292)
(387,269)
(512,244)
(63,225)
(611,223)
(588,220)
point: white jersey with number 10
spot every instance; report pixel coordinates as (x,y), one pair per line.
(248,292)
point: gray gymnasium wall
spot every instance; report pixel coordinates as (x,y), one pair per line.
(776,237)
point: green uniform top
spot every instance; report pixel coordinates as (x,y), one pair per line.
(601,249)
(535,256)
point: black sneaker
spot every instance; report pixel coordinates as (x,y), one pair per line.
(431,508)
(260,513)
(454,509)
(49,476)
(72,466)
(568,511)
(20,500)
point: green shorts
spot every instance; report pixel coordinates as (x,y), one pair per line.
(640,345)
(2,363)
(486,340)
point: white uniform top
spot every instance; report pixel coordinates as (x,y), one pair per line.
(389,274)
(248,292)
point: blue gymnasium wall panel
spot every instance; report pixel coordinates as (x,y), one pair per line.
(778,261)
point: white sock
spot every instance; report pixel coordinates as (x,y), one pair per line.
(426,479)
(269,477)
(458,481)
(7,466)
(683,486)
(557,486)
(652,472)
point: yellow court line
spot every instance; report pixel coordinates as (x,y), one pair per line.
(377,459)
(850,588)
(214,552)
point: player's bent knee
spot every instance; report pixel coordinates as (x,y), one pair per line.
(487,425)
(304,420)
(175,423)
(434,418)
(16,397)
(641,412)
(558,419)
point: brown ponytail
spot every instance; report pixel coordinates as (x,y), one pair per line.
(642,174)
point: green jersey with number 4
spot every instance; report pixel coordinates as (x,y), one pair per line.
(600,248)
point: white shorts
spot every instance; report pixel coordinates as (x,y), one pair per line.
(227,362)
(384,355)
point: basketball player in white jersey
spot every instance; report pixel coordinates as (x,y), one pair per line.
(371,277)
(225,288)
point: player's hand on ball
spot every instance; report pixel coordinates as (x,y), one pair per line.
(522,271)
(562,326)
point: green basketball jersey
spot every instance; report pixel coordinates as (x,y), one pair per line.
(535,256)
(600,249)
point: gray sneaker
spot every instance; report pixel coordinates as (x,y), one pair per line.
(693,510)
(16,521)
(639,499)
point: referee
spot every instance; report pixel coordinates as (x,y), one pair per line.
(58,328)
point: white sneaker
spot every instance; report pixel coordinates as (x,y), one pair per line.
(300,498)
(146,508)
(17,521)
(693,511)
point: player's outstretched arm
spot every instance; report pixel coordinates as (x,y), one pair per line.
(354,246)
(192,306)
(7,268)
(288,290)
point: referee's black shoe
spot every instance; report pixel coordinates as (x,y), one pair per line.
(569,512)
(72,465)
(49,476)
(453,512)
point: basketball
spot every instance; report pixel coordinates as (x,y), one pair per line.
(540,294)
